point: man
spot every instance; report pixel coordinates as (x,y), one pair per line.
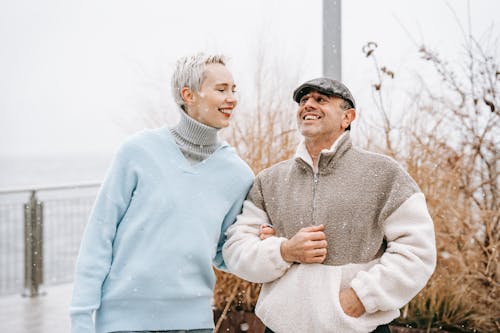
(158,224)
(355,240)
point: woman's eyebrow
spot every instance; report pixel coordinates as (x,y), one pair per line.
(225,84)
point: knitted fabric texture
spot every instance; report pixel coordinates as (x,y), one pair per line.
(197,141)
(155,232)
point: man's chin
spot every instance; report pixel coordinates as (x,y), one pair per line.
(308,131)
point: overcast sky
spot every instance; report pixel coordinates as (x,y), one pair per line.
(74,73)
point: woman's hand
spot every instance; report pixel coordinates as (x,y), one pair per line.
(266,231)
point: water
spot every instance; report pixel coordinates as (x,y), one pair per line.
(28,171)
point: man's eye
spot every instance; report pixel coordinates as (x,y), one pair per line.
(303,101)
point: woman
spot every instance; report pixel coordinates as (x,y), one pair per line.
(158,224)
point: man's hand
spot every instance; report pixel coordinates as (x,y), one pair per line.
(266,231)
(308,246)
(350,303)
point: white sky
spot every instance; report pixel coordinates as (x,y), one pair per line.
(74,73)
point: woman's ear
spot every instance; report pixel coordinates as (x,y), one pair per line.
(187,95)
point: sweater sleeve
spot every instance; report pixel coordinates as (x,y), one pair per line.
(94,259)
(228,221)
(408,262)
(249,257)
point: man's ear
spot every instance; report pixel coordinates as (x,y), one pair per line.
(187,95)
(349,116)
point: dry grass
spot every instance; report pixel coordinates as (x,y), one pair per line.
(450,147)
(456,296)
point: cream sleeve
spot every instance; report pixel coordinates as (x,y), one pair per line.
(246,255)
(408,262)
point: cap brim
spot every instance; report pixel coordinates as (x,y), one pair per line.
(306,88)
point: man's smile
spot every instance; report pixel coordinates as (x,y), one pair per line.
(311,116)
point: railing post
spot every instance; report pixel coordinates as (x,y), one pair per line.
(33,246)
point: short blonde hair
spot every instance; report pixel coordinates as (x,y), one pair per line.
(190,72)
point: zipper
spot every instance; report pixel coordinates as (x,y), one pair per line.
(315,186)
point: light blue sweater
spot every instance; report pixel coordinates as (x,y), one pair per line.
(157,227)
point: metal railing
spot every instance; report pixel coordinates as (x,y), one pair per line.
(40,233)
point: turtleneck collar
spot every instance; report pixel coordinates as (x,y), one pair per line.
(195,132)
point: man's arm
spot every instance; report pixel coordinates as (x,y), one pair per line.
(406,265)
(94,258)
(256,260)
(246,255)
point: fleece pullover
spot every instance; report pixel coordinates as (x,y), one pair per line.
(379,233)
(156,228)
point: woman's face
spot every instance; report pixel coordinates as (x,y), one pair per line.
(214,103)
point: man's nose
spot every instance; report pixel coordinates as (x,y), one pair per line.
(310,103)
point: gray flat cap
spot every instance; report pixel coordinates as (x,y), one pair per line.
(325,86)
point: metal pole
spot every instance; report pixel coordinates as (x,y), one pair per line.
(33,246)
(332,50)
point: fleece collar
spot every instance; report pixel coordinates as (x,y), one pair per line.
(340,145)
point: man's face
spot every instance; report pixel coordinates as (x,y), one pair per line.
(215,102)
(321,116)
